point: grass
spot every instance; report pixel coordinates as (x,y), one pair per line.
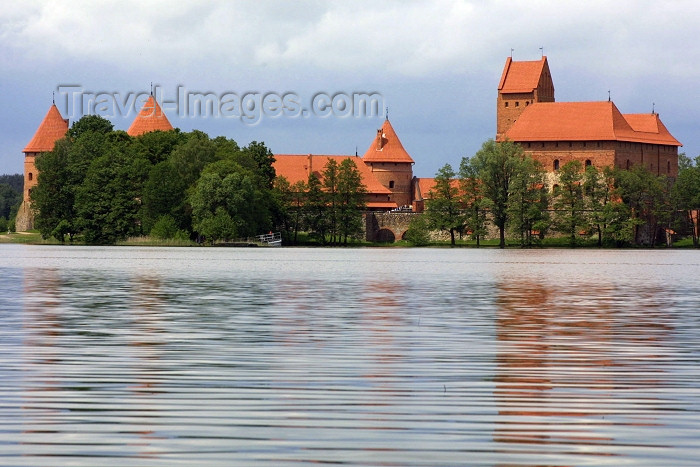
(33,237)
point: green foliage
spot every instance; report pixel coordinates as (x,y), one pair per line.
(90,124)
(685,196)
(264,159)
(159,145)
(497,165)
(10,199)
(443,207)
(476,205)
(164,193)
(418,233)
(649,198)
(166,228)
(229,201)
(568,201)
(528,202)
(351,201)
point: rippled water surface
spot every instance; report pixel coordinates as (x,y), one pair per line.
(392,357)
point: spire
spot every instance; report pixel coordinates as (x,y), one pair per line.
(151,118)
(387,147)
(51,129)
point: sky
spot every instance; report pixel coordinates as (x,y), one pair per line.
(294,74)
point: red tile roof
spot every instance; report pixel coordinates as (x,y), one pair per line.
(297,167)
(52,128)
(387,147)
(151,118)
(587,121)
(425,185)
(520,77)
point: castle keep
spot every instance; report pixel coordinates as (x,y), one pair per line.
(594,133)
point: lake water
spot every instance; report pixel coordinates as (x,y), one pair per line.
(359,357)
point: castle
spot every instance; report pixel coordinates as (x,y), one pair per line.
(594,133)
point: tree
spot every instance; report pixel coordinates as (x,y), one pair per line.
(351,197)
(291,200)
(598,189)
(568,204)
(331,198)
(475,204)
(648,196)
(229,201)
(264,159)
(443,207)
(191,156)
(107,203)
(497,164)
(315,208)
(164,193)
(9,199)
(528,201)
(418,233)
(686,193)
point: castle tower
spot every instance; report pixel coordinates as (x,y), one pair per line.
(150,118)
(51,129)
(391,165)
(522,84)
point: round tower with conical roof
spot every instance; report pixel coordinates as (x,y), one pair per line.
(391,165)
(51,129)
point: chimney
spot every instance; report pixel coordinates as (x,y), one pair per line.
(380,140)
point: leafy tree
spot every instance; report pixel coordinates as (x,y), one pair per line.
(686,193)
(229,201)
(264,159)
(443,208)
(158,145)
(315,208)
(418,233)
(191,156)
(9,199)
(568,201)
(497,164)
(164,193)
(476,205)
(16,181)
(351,200)
(598,189)
(528,201)
(331,198)
(291,201)
(90,124)
(648,196)
(107,202)
(166,228)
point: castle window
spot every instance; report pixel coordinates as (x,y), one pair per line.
(529,145)
(571,144)
(527,103)
(30,176)
(391,184)
(628,164)
(556,164)
(584,144)
(506,104)
(542,144)
(517,104)
(598,144)
(588,163)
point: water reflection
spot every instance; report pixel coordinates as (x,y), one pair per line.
(229,357)
(576,365)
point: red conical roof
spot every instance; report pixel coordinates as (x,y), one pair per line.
(151,118)
(52,128)
(386,147)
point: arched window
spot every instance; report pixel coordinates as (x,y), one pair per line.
(556,164)
(588,163)
(30,176)
(391,184)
